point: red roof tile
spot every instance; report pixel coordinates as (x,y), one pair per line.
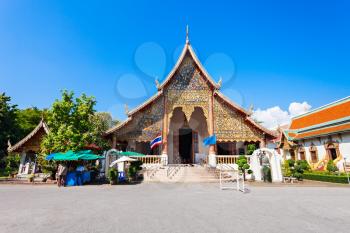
(321,116)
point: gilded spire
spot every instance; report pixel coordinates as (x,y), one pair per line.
(187,39)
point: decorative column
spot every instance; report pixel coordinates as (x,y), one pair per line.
(165,132)
(114,141)
(212,156)
(27,165)
(21,164)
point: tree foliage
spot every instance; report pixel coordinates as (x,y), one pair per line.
(28,119)
(8,123)
(331,167)
(251,148)
(73,124)
(295,168)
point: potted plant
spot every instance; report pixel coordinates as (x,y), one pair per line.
(31,178)
(133,170)
(112,176)
(243,166)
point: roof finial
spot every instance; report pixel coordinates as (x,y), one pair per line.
(126,109)
(157,84)
(9,144)
(187,39)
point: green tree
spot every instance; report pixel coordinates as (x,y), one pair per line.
(28,119)
(105,120)
(296,168)
(72,123)
(331,168)
(8,124)
(251,148)
(243,165)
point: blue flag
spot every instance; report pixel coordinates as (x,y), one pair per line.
(211,140)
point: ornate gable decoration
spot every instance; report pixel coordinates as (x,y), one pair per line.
(187,89)
(186,63)
(188,77)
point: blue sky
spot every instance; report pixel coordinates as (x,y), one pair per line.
(269,53)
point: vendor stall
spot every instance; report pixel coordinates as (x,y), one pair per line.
(76,177)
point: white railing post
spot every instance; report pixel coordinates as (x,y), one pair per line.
(164,159)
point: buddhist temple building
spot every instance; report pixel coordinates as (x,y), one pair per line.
(319,135)
(187,108)
(28,148)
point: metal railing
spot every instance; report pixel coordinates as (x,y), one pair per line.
(230,176)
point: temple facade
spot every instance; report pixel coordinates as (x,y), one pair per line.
(187,108)
(319,135)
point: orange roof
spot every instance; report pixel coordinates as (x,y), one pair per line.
(322,115)
(338,128)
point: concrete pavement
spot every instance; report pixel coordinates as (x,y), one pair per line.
(173,208)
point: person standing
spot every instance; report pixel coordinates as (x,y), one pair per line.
(62,173)
(80,169)
(59,175)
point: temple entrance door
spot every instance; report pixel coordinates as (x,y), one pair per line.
(185,145)
(333,154)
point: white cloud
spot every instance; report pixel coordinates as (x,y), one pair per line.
(298,108)
(272,117)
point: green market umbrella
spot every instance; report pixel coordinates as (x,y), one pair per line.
(131,153)
(74,156)
(88,156)
(67,156)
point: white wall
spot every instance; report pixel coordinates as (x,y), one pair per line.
(344,146)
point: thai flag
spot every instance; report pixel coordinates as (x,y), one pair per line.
(156,141)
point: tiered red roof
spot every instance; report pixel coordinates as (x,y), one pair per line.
(330,119)
(327,114)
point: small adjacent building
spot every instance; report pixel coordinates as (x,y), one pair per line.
(28,148)
(319,135)
(187,108)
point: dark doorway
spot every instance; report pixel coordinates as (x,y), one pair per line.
(185,145)
(333,153)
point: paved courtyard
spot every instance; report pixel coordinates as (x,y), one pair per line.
(173,208)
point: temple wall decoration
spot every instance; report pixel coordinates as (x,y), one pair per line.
(230,125)
(145,124)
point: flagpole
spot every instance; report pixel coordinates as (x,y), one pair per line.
(212,156)
(164,132)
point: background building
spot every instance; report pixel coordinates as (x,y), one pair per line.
(319,135)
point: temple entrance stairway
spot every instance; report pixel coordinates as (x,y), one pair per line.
(181,173)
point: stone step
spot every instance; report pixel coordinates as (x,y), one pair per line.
(185,174)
